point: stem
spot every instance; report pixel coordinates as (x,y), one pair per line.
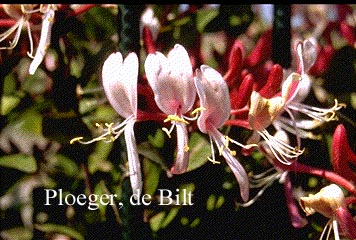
(128,19)
(281,35)
(129,35)
(329,175)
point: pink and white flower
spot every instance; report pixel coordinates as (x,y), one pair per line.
(215,100)
(171,79)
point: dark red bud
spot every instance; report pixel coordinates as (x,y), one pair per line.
(342,155)
(148,40)
(262,50)
(274,82)
(241,95)
(235,64)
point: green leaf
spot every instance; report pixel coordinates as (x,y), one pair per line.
(199,151)
(8,103)
(68,231)
(148,151)
(21,162)
(67,165)
(162,219)
(151,176)
(204,16)
(98,159)
(17,233)
(158,139)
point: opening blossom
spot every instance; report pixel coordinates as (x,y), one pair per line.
(120,85)
(268,110)
(214,98)
(171,79)
(330,202)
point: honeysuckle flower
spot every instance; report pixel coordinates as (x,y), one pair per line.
(214,99)
(266,111)
(120,85)
(330,202)
(171,79)
(21,13)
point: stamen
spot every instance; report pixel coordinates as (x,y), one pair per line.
(168,132)
(248,146)
(284,150)
(212,153)
(336,231)
(320,114)
(195,112)
(175,118)
(110,135)
(75,140)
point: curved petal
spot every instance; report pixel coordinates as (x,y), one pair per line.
(120,83)
(171,80)
(234,164)
(214,97)
(133,159)
(181,163)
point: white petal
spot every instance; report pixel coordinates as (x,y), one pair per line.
(120,83)
(133,159)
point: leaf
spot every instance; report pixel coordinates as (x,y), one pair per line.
(17,233)
(8,103)
(21,162)
(162,219)
(148,151)
(25,132)
(68,231)
(151,176)
(199,151)
(157,140)
(67,165)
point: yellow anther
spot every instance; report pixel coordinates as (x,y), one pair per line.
(233,153)
(75,140)
(167,132)
(175,118)
(199,109)
(213,161)
(227,140)
(186,148)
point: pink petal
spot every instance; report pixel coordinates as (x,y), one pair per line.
(171,80)
(214,97)
(234,164)
(181,163)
